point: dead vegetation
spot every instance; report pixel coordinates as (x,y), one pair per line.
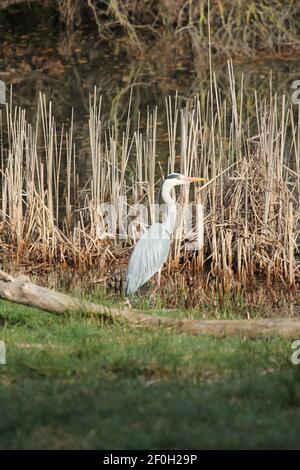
(52,215)
(237,29)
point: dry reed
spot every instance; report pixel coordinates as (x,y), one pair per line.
(49,216)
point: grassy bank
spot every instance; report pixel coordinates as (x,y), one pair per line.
(74,383)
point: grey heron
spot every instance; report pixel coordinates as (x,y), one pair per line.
(152,249)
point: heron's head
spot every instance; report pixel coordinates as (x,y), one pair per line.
(176,179)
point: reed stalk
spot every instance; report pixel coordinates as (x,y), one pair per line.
(251,204)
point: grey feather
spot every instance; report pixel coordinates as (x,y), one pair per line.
(148,257)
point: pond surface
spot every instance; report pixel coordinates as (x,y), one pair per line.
(40,56)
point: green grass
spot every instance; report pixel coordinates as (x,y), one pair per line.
(73,382)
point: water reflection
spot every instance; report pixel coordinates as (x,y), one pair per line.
(67,68)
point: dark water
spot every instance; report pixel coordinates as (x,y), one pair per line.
(39,56)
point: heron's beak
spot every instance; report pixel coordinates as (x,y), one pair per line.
(192,179)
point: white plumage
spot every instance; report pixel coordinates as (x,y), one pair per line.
(152,249)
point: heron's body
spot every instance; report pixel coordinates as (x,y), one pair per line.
(148,257)
(152,249)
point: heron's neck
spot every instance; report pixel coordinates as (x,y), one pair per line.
(170,220)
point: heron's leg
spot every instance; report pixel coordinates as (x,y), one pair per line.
(158,278)
(155,289)
(126,303)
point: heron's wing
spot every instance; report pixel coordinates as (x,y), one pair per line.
(148,257)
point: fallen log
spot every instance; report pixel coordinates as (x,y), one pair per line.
(21,290)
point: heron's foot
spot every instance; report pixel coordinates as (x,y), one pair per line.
(126,303)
